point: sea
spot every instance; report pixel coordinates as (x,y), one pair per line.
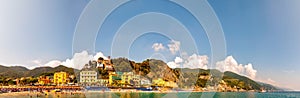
(173,95)
(198,95)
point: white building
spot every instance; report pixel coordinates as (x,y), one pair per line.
(88,77)
(145,82)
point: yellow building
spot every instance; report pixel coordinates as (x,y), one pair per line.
(158,82)
(161,82)
(114,77)
(170,84)
(61,78)
(126,77)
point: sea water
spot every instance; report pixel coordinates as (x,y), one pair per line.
(173,95)
(194,95)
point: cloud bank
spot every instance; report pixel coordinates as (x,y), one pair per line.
(77,61)
(201,61)
(230,64)
(158,47)
(193,61)
(173,46)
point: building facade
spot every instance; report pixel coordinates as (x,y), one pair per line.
(88,77)
(44,80)
(61,78)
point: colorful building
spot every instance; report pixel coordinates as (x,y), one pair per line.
(145,82)
(170,84)
(114,77)
(61,78)
(88,76)
(126,77)
(158,82)
(44,80)
(103,82)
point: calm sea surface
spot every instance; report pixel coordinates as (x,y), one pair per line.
(176,95)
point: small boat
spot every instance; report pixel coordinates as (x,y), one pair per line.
(262,91)
(56,90)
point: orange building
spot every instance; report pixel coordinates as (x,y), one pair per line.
(44,80)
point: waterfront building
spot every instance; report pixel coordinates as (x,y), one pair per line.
(136,80)
(145,82)
(170,84)
(158,82)
(44,80)
(126,77)
(88,76)
(103,82)
(114,78)
(61,78)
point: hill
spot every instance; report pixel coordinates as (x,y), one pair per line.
(13,71)
(19,71)
(186,77)
(150,68)
(154,69)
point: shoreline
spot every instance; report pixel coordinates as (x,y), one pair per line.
(31,94)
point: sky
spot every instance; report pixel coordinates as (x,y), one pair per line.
(261,36)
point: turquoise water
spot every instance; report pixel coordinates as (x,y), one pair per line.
(199,95)
(173,95)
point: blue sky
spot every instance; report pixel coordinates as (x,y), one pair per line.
(264,33)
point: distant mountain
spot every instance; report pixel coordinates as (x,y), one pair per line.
(19,71)
(271,87)
(14,71)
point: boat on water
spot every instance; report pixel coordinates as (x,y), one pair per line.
(262,91)
(144,88)
(56,90)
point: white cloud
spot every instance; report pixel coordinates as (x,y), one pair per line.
(178,60)
(176,63)
(52,63)
(99,54)
(174,46)
(78,60)
(249,71)
(158,46)
(193,61)
(196,61)
(173,65)
(230,64)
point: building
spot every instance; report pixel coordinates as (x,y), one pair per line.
(136,80)
(44,80)
(170,84)
(103,82)
(145,82)
(106,65)
(126,77)
(158,82)
(115,78)
(129,78)
(61,78)
(88,77)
